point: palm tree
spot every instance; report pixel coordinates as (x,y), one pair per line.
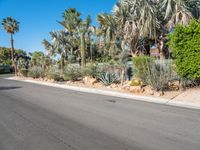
(177,12)
(60,44)
(108,31)
(77,29)
(136,19)
(11,26)
(71,20)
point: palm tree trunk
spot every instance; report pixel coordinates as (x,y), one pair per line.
(12,53)
(62,64)
(91,53)
(12,48)
(83,61)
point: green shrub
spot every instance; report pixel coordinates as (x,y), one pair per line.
(72,73)
(24,72)
(36,72)
(157,74)
(53,73)
(185,45)
(89,70)
(141,66)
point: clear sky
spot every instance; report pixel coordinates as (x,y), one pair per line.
(38,17)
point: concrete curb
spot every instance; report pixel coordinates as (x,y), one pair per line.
(158,100)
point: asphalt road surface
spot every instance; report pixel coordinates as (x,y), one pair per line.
(36,117)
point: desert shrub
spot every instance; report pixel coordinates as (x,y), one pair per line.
(185,45)
(141,66)
(157,74)
(36,72)
(72,73)
(24,72)
(53,73)
(90,70)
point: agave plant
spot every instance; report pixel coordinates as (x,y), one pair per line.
(108,78)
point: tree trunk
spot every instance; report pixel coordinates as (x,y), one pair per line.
(91,53)
(12,53)
(62,64)
(12,48)
(83,61)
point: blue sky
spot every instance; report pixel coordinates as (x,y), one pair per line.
(38,17)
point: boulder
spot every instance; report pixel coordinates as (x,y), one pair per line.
(135,89)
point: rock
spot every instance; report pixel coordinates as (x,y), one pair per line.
(125,86)
(89,80)
(174,85)
(135,89)
(148,90)
(69,82)
(113,86)
(158,94)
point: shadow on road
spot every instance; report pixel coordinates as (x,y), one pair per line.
(9,87)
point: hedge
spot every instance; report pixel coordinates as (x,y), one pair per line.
(185,45)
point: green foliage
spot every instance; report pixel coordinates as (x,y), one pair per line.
(20,51)
(157,74)
(36,58)
(24,72)
(72,73)
(105,58)
(53,73)
(5,56)
(36,72)
(185,44)
(141,66)
(108,78)
(160,73)
(22,63)
(89,70)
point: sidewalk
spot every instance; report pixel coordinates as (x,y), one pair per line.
(188,99)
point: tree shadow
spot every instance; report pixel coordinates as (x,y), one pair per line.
(8,87)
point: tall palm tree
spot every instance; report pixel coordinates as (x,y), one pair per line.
(77,28)
(71,20)
(11,26)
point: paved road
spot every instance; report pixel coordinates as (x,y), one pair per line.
(35,117)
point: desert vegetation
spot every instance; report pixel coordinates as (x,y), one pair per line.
(141,43)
